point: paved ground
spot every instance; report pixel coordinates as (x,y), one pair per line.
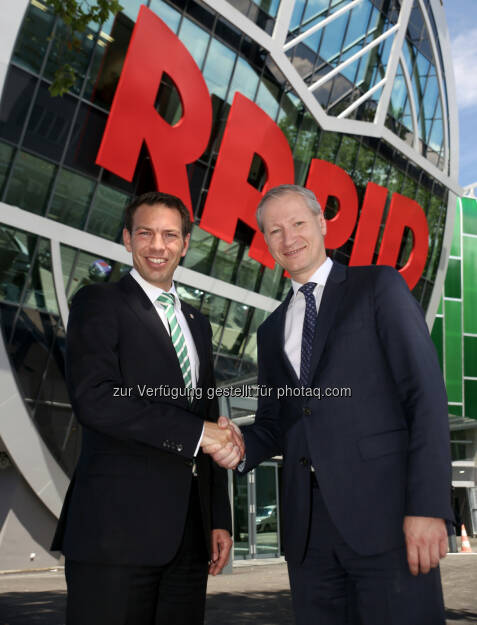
(256,594)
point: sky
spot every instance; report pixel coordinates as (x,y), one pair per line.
(462,24)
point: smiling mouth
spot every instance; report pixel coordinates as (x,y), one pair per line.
(294,252)
(157,261)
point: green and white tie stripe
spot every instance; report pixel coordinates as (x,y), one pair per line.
(166,300)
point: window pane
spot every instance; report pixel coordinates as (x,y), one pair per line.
(195,39)
(87,134)
(214,307)
(107,215)
(16,99)
(49,124)
(30,183)
(71,199)
(218,68)
(6,152)
(32,40)
(15,256)
(40,292)
(225,260)
(201,250)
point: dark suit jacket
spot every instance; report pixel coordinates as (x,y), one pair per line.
(380,454)
(128,500)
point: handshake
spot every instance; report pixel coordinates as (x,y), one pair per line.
(223,441)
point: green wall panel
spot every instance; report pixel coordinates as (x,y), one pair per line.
(455,410)
(455,247)
(470,284)
(453,350)
(470,356)
(471,398)
(438,339)
(452,281)
(469,210)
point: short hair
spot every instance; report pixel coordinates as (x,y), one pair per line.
(283,189)
(157,197)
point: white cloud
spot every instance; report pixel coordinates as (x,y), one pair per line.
(464,55)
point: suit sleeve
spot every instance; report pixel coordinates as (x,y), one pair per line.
(263,438)
(93,370)
(414,366)
(221,517)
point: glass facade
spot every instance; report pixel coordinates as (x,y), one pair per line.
(455,327)
(48,149)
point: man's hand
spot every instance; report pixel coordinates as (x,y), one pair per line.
(229,456)
(220,545)
(426,542)
(216,437)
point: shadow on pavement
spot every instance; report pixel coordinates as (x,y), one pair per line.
(460,616)
(258,608)
(32,608)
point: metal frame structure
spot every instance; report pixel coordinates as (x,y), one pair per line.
(18,431)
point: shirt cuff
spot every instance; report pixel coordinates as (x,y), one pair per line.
(200,441)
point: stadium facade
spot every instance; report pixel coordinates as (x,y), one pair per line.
(214,101)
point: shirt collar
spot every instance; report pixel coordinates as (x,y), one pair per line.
(152,291)
(320,276)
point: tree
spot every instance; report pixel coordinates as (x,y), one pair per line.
(76,16)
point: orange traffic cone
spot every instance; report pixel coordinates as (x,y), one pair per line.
(465,544)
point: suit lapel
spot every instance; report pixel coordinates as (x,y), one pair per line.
(280,331)
(144,309)
(330,301)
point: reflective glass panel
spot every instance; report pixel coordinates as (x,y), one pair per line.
(107,215)
(71,199)
(16,250)
(30,183)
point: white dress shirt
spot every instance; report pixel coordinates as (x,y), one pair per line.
(153,292)
(295,315)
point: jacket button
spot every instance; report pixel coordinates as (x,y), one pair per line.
(307,411)
(304,461)
(179,447)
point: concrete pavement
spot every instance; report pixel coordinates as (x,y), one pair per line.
(253,594)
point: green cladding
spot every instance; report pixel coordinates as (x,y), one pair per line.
(455,327)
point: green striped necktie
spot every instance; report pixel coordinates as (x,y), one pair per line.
(166,300)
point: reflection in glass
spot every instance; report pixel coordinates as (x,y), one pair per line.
(107,215)
(218,68)
(33,40)
(226,259)
(71,199)
(214,307)
(195,39)
(15,259)
(16,99)
(236,328)
(201,250)
(267,510)
(6,152)
(30,183)
(190,295)
(240,503)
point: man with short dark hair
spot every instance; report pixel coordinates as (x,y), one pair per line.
(358,410)
(147,514)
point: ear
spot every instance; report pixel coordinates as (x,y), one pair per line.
(127,239)
(323,224)
(186,245)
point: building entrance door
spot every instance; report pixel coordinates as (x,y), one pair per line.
(257,513)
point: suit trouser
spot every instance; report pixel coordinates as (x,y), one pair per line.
(173,594)
(336,586)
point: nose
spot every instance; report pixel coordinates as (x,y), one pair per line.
(157,242)
(288,237)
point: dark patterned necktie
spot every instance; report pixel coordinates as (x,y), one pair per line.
(309,324)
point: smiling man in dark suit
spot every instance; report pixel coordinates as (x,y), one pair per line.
(147,514)
(359,412)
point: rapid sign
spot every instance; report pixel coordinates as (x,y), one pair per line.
(154,50)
